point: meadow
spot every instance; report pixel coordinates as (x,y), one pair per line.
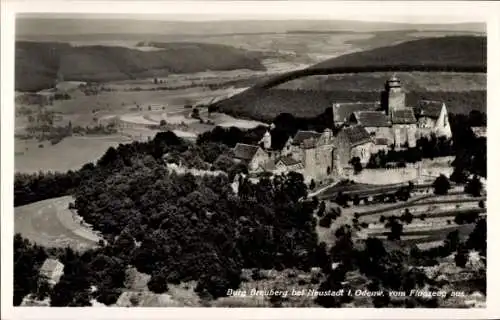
(50,223)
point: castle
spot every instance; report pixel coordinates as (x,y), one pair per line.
(365,128)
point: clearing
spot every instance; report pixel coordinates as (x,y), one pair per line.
(50,223)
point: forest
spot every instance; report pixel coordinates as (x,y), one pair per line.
(266,104)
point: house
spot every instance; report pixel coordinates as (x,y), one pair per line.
(354,141)
(287,164)
(53,270)
(294,145)
(432,118)
(253,156)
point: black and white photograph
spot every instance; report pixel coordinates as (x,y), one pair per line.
(248,161)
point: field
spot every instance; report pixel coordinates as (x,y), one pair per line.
(439,211)
(50,223)
(69,154)
(413,81)
(82,110)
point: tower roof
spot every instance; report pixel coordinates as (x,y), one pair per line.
(393,82)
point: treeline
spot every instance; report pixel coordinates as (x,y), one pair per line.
(34,187)
(56,134)
(266,104)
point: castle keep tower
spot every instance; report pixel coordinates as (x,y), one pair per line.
(394,94)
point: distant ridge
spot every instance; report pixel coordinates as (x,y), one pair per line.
(39,64)
(44,25)
(445,54)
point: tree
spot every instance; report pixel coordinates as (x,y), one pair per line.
(223,163)
(474,187)
(458,175)
(461,257)
(195,114)
(321,209)
(441,185)
(356,200)
(452,241)
(312,185)
(341,199)
(396,230)
(158,283)
(481,204)
(477,238)
(333,283)
(407,216)
(325,222)
(356,164)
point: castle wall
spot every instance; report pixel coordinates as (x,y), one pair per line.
(384,176)
(377,147)
(343,150)
(318,162)
(363,151)
(404,134)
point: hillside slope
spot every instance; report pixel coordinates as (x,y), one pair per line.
(466,54)
(466,51)
(39,64)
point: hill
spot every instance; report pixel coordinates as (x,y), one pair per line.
(39,64)
(466,51)
(266,104)
(466,54)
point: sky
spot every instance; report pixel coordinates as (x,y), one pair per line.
(423,19)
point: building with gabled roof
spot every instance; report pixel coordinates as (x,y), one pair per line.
(354,141)
(253,156)
(303,135)
(372,118)
(52,270)
(286,164)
